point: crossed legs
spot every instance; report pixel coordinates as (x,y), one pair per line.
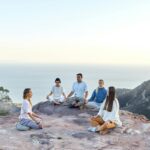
(102,127)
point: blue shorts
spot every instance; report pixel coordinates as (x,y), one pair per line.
(29,123)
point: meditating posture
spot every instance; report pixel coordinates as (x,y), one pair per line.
(80,92)
(27,117)
(57,92)
(108,115)
(98,96)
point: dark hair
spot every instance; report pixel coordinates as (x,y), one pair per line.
(58,79)
(25,92)
(101,80)
(80,74)
(110,98)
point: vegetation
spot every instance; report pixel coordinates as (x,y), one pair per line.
(4,93)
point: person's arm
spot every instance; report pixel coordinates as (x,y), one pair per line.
(35,115)
(100,113)
(49,95)
(86,96)
(27,108)
(70,94)
(32,117)
(115,111)
(93,96)
(64,95)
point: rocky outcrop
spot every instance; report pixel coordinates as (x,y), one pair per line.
(49,109)
(8,108)
(136,100)
(66,129)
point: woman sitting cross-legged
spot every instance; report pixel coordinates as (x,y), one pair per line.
(27,117)
(108,115)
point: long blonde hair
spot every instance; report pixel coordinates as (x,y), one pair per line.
(26,91)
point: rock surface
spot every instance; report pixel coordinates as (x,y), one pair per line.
(66,129)
(8,107)
(136,100)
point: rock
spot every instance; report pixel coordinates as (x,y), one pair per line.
(132,131)
(84,115)
(8,107)
(66,129)
(146,127)
(3,131)
(49,109)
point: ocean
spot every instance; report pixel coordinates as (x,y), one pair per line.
(40,77)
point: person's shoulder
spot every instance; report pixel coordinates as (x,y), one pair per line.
(104,89)
(116,99)
(25,102)
(54,86)
(84,83)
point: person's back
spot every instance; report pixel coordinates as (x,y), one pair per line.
(111,115)
(108,115)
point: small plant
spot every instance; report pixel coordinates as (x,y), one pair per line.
(4,93)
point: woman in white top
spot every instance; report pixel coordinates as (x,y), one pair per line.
(108,115)
(27,117)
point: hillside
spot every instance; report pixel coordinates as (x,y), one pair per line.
(136,100)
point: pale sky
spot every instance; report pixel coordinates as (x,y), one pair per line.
(75,31)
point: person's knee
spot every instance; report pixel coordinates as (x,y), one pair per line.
(94,123)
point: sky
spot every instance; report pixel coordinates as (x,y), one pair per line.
(75,31)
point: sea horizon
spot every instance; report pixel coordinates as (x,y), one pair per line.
(40,77)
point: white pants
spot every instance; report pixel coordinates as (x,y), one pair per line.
(93,105)
(51,99)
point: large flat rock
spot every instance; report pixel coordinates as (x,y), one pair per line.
(68,131)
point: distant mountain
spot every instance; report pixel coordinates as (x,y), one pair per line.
(136,100)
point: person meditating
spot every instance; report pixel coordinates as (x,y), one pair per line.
(98,96)
(80,92)
(108,115)
(58,93)
(27,117)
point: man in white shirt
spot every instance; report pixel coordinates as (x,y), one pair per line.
(80,92)
(57,92)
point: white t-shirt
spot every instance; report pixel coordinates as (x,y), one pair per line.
(57,92)
(79,89)
(25,109)
(113,115)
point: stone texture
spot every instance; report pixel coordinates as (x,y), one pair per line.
(68,131)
